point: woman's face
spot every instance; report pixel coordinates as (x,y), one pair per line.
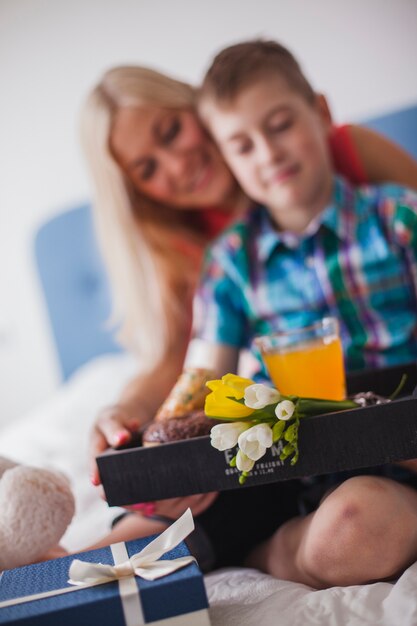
(168,157)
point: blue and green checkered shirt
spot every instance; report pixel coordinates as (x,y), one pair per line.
(358,262)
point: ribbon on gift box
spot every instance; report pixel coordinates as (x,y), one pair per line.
(145,564)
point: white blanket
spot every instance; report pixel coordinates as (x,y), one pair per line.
(56,435)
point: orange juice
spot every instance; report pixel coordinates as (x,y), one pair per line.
(312,370)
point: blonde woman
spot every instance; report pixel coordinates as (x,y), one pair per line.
(161,193)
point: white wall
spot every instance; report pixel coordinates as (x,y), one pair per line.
(361,52)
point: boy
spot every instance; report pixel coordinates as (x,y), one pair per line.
(314,246)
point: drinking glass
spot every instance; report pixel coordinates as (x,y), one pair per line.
(306,361)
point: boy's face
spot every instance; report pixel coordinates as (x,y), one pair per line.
(275,143)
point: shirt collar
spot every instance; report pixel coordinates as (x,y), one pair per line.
(334,217)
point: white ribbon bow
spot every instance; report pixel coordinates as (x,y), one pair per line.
(145,563)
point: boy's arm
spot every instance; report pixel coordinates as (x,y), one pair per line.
(219,319)
(382,159)
(218,357)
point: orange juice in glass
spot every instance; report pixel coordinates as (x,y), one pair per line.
(306,361)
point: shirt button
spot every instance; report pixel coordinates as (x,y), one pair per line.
(309,262)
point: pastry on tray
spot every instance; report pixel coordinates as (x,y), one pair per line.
(182,415)
(192,424)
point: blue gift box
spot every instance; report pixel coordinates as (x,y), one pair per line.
(178,599)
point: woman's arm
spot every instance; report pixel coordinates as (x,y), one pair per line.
(138,403)
(141,398)
(382,159)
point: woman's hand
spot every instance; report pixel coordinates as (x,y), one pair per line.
(54,553)
(140,399)
(410,465)
(114,426)
(173,508)
(142,524)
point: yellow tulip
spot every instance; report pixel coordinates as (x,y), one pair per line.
(218,402)
(238,383)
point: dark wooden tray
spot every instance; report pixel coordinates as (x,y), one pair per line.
(329,443)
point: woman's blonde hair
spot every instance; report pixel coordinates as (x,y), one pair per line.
(151,277)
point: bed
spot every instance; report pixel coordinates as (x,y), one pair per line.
(94,370)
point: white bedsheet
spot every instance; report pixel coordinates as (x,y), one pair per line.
(56,435)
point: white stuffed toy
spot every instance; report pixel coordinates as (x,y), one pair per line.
(36,507)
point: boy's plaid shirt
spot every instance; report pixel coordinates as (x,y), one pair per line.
(358,262)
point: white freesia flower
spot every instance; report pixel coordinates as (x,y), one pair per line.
(244,463)
(284,410)
(225,436)
(258,396)
(254,441)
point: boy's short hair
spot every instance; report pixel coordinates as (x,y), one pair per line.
(240,65)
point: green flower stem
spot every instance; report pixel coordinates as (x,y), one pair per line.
(286,431)
(222,418)
(399,388)
(312,406)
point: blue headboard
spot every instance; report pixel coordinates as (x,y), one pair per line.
(73,278)
(400,126)
(75,288)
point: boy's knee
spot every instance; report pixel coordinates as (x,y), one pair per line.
(350,532)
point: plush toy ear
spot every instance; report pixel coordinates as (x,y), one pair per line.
(36,507)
